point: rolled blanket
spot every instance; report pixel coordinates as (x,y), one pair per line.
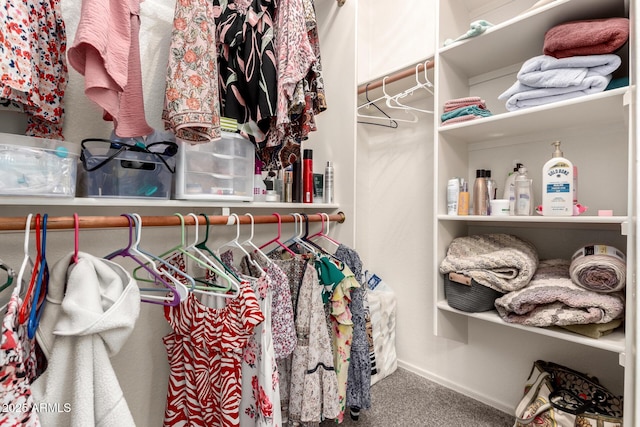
(500,261)
(552,299)
(594,330)
(547,71)
(599,268)
(586,37)
(522,96)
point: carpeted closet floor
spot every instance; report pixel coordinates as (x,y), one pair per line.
(404,399)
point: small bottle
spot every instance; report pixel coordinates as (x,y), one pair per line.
(463,200)
(307,176)
(480,193)
(491,186)
(328,183)
(287,185)
(296,181)
(259,187)
(524,199)
(510,188)
(453,194)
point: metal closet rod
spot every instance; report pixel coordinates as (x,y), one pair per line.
(67,222)
(403,74)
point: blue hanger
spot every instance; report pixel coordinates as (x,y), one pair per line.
(42,283)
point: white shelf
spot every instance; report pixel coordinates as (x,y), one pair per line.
(614,342)
(582,221)
(108,202)
(601,108)
(525,34)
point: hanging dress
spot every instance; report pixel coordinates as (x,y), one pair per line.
(33,44)
(191,104)
(260,404)
(205,359)
(17,370)
(359,378)
(314,384)
(247,64)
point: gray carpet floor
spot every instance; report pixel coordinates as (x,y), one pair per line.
(404,399)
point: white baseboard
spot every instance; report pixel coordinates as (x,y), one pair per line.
(502,406)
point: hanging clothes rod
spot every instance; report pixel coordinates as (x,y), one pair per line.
(403,74)
(67,222)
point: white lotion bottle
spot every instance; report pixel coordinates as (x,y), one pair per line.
(557,185)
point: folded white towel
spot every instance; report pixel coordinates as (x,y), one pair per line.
(522,96)
(547,71)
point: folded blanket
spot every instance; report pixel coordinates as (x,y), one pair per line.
(454,104)
(500,261)
(522,96)
(599,268)
(594,330)
(465,111)
(547,71)
(460,119)
(586,37)
(552,299)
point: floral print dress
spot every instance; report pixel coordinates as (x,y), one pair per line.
(17,370)
(192,104)
(33,46)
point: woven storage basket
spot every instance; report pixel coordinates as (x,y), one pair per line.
(472,298)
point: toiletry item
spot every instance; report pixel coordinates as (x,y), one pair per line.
(523,193)
(510,189)
(318,187)
(575,185)
(287,190)
(272,196)
(296,181)
(480,194)
(557,184)
(259,187)
(453,194)
(463,199)
(307,176)
(491,185)
(328,183)
(499,207)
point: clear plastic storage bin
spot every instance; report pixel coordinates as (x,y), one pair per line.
(32,166)
(121,170)
(217,170)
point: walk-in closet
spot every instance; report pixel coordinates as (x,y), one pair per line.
(391,76)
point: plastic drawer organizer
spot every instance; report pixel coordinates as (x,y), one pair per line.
(127,170)
(217,170)
(32,166)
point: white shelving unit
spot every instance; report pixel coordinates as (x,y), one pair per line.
(485,66)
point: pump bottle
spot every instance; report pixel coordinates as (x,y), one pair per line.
(557,184)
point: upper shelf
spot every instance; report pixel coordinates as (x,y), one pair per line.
(605,107)
(522,37)
(132,202)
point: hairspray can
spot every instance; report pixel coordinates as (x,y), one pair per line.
(307,176)
(328,183)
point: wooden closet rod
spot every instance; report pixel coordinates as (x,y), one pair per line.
(403,74)
(67,222)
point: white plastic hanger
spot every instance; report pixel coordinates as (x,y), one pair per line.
(249,242)
(232,288)
(392,122)
(427,85)
(233,243)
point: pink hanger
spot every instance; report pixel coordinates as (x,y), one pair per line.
(277,239)
(76,237)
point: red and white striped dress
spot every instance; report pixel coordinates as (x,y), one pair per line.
(205,359)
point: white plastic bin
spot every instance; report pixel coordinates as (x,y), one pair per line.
(31,166)
(217,170)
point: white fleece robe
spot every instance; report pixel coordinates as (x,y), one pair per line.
(81,327)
